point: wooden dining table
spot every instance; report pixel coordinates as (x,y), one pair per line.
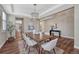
(39,38)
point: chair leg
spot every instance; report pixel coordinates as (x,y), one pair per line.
(29,50)
(24,44)
(42,51)
(38,49)
(26,47)
(54,50)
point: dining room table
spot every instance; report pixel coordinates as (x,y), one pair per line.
(39,38)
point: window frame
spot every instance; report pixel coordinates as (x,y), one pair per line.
(4,21)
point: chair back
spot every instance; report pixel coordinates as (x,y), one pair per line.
(29,41)
(49,45)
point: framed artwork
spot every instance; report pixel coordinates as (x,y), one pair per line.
(30,27)
(54,26)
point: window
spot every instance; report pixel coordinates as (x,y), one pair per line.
(19,21)
(4,20)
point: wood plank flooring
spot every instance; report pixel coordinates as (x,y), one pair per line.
(12,47)
(64,43)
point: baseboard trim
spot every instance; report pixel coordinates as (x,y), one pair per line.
(65,37)
(2,44)
(68,37)
(76,47)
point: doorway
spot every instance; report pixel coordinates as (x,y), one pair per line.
(19,27)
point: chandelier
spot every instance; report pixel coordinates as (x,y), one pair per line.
(35,14)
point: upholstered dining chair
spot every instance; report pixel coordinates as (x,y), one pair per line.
(49,46)
(30,43)
(23,37)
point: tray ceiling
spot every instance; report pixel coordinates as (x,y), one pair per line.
(26,9)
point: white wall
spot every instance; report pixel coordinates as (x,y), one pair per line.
(64,21)
(0,23)
(0,19)
(3,38)
(76,43)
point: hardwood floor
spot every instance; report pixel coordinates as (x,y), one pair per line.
(12,47)
(64,43)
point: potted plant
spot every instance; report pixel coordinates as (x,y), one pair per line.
(10,28)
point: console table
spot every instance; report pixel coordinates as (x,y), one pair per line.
(56,31)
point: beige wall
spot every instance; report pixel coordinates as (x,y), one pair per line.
(25,24)
(76,43)
(64,21)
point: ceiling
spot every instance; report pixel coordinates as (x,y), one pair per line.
(26,9)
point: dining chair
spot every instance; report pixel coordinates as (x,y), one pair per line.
(49,46)
(24,39)
(30,43)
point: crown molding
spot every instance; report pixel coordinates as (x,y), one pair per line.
(52,10)
(20,15)
(55,9)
